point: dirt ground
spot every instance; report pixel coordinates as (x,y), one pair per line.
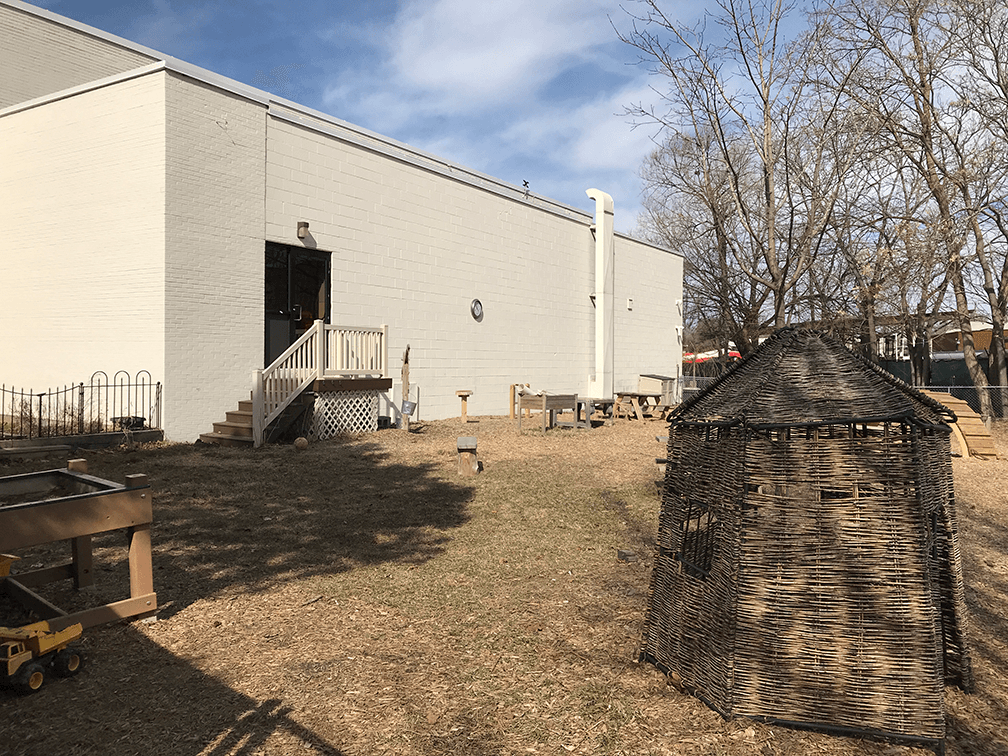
(361,598)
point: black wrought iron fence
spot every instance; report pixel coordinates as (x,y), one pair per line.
(99,406)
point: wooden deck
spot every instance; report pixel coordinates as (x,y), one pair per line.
(970,431)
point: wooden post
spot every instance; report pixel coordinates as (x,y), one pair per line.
(140,569)
(467,461)
(320,349)
(405,388)
(511,401)
(258,408)
(464,396)
(80,547)
(384,351)
(83,562)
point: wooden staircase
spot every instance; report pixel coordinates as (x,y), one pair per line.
(322,352)
(236,430)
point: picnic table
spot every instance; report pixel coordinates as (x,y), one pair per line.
(642,406)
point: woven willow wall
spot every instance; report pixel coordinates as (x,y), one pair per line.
(811,574)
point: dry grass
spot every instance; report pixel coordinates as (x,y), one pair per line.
(361,598)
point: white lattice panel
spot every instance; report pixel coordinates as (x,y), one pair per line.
(340,412)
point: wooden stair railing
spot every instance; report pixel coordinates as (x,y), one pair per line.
(276,386)
(323,351)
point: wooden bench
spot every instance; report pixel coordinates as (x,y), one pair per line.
(549,405)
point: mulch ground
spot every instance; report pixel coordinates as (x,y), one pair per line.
(360,597)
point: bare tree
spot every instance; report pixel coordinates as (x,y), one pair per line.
(735,81)
(688,205)
(907,56)
(981,34)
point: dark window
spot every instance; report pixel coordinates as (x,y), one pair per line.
(699,534)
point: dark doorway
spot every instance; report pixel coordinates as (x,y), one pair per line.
(297,294)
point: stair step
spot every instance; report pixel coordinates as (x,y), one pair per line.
(245,406)
(221,439)
(233,429)
(239,417)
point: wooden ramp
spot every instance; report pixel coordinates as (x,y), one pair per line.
(969,430)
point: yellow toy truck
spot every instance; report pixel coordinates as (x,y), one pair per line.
(28,653)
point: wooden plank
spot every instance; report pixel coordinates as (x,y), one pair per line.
(83,563)
(529,402)
(34,523)
(963,445)
(969,429)
(352,384)
(636,406)
(548,404)
(560,401)
(140,571)
(30,483)
(102,615)
(35,578)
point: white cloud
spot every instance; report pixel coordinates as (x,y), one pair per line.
(478,84)
(469,54)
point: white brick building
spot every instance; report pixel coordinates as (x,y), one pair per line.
(145,204)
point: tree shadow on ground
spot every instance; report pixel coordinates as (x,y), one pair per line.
(985,554)
(236,519)
(133,696)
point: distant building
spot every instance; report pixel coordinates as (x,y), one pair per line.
(157,216)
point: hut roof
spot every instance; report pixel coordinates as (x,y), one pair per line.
(801,376)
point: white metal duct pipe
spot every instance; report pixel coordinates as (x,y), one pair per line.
(602,386)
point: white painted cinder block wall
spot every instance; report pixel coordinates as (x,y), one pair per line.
(135,211)
(412,248)
(648,336)
(72,56)
(214,260)
(82,189)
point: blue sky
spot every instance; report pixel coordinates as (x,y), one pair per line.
(523,90)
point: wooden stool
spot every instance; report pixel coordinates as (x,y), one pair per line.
(464,395)
(467,461)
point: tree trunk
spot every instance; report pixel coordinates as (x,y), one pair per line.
(918,337)
(966,330)
(868,331)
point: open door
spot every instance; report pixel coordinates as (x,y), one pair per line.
(297,294)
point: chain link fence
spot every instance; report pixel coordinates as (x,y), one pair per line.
(971,395)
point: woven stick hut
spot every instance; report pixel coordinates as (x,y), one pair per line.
(807,567)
